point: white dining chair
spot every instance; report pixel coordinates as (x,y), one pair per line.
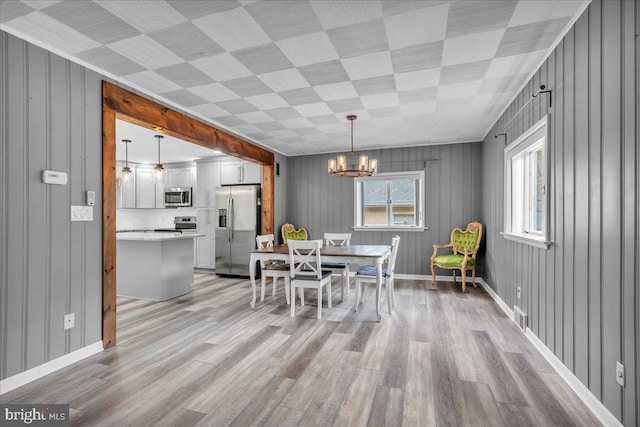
(338,268)
(272,269)
(306,271)
(367,274)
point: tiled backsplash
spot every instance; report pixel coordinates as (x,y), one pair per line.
(128,219)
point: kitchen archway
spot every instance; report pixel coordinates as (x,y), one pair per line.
(124,105)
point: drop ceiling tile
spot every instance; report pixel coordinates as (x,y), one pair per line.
(184,97)
(304,95)
(267,101)
(503,84)
(283,80)
(324,73)
(245,129)
(294,124)
(185,74)
(418,95)
(528,12)
(419,57)
(237,106)
(318,137)
(283,113)
(310,110)
(270,126)
(92,21)
(196,8)
(467,17)
(221,67)
(263,59)
(471,48)
(284,133)
(327,119)
(530,37)
(458,90)
(308,49)
(41,4)
(152,81)
(306,131)
(335,91)
(145,15)
(110,61)
(230,121)
(146,52)
(10,10)
(394,7)
(233,29)
(255,117)
(345,105)
(260,136)
(514,64)
(247,86)
(380,100)
(417,26)
(187,41)
(464,72)
(285,19)
(214,92)
(54,33)
(419,109)
(360,39)
(338,13)
(371,65)
(375,85)
(209,110)
(384,112)
(418,79)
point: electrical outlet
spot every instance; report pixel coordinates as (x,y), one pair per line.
(620,373)
(69,320)
(519,292)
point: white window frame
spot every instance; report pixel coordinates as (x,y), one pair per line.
(389,176)
(517,206)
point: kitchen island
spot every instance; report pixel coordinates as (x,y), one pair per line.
(154,265)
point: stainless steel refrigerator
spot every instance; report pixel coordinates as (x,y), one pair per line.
(237,225)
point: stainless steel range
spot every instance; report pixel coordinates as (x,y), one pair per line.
(183,224)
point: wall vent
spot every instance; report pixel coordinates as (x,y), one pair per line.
(520,317)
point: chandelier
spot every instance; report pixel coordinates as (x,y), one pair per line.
(126,170)
(159,170)
(361,164)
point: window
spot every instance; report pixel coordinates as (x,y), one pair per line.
(389,200)
(525,187)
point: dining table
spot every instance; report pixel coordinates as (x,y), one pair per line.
(374,255)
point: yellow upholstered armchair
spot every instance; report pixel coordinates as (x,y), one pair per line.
(290,232)
(465,248)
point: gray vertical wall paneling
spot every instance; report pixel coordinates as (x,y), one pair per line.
(581,194)
(595,202)
(587,282)
(630,401)
(611,199)
(4,216)
(50,266)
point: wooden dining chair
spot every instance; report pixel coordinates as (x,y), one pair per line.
(338,268)
(272,269)
(367,274)
(306,271)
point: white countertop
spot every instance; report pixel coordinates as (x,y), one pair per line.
(155,236)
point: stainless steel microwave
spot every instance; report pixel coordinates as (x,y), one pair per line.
(177,197)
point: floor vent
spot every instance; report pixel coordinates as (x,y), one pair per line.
(520,317)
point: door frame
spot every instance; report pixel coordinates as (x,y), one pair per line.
(122,104)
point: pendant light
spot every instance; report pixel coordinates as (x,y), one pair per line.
(361,166)
(126,170)
(159,170)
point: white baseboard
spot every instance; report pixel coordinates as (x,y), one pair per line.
(40,371)
(596,407)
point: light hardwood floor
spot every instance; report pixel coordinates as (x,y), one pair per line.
(443,358)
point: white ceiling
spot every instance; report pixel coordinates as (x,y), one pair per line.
(144,146)
(284,74)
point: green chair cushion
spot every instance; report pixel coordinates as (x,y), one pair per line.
(296,235)
(452,261)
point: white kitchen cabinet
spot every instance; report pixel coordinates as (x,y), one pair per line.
(180,177)
(206,245)
(145,188)
(240,173)
(159,195)
(208,178)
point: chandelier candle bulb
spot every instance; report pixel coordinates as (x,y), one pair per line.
(342,163)
(363,162)
(373,166)
(332,165)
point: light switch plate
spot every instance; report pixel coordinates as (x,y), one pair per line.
(81,213)
(69,320)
